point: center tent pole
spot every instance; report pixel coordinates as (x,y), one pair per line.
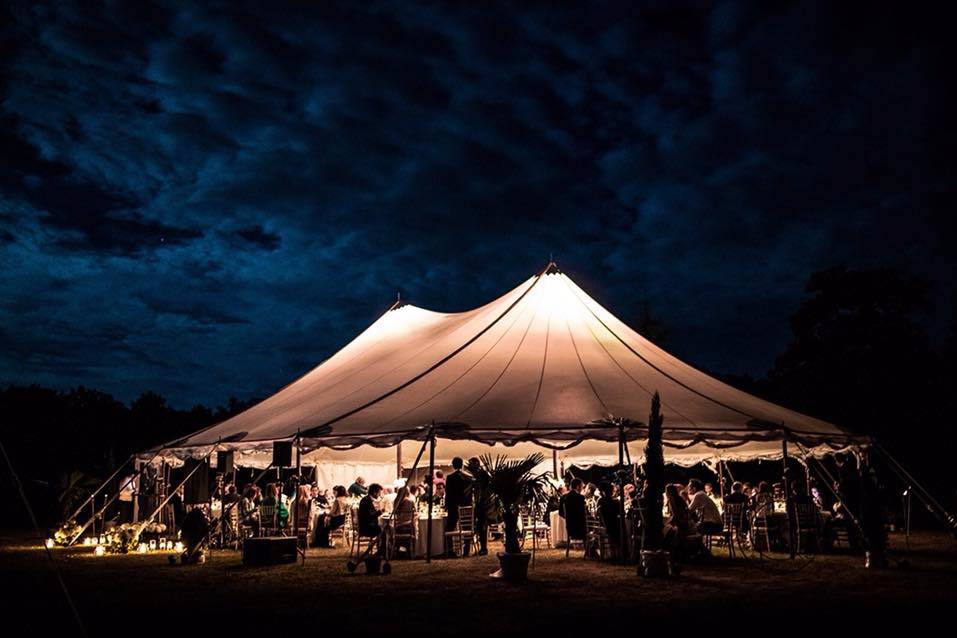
(428,532)
(555,464)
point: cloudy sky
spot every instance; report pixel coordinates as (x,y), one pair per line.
(206,201)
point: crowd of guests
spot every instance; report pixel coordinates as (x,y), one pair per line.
(691,510)
(321,512)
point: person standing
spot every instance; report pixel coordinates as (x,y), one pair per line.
(457,493)
(482,501)
(572,509)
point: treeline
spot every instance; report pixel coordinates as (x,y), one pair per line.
(860,356)
(62,443)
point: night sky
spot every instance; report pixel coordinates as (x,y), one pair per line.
(207,202)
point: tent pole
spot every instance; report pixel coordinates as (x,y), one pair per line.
(721,478)
(295,510)
(97,490)
(181,484)
(555,464)
(106,503)
(398,460)
(622,528)
(788,502)
(136,491)
(428,532)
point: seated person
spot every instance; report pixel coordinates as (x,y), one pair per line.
(799,495)
(369,512)
(572,509)
(334,519)
(737,495)
(704,509)
(678,523)
(302,507)
(763,500)
(608,511)
(319,497)
(404,512)
(248,510)
(358,488)
(231,496)
(272,502)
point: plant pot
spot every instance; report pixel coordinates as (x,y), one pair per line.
(655,563)
(514,567)
(373,564)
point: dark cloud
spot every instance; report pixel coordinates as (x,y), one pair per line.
(232,192)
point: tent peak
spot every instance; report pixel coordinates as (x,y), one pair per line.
(552,269)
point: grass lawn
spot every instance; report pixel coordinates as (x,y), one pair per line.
(144,595)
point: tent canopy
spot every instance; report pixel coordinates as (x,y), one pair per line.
(543,364)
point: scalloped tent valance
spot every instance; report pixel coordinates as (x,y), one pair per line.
(544,364)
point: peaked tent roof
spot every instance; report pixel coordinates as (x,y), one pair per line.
(543,363)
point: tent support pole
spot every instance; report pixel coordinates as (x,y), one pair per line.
(788,501)
(721,478)
(398,460)
(428,532)
(108,501)
(295,507)
(92,496)
(181,484)
(622,528)
(555,464)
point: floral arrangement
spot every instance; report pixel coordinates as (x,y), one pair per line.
(125,538)
(67,531)
(154,528)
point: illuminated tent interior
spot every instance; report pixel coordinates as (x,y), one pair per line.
(543,367)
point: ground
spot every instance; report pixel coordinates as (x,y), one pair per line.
(144,595)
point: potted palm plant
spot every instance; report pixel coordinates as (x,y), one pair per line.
(511,484)
(654,559)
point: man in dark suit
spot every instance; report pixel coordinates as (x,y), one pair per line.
(572,509)
(457,493)
(369,512)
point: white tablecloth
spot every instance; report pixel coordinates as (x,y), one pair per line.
(556,532)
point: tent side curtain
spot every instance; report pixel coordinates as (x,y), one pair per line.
(584,452)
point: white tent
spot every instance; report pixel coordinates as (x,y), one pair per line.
(542,366)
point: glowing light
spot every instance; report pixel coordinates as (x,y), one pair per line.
(88,541)
(99,550)
(142,548)
(178,546)
(399,483)
(49,543)
(152,543)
